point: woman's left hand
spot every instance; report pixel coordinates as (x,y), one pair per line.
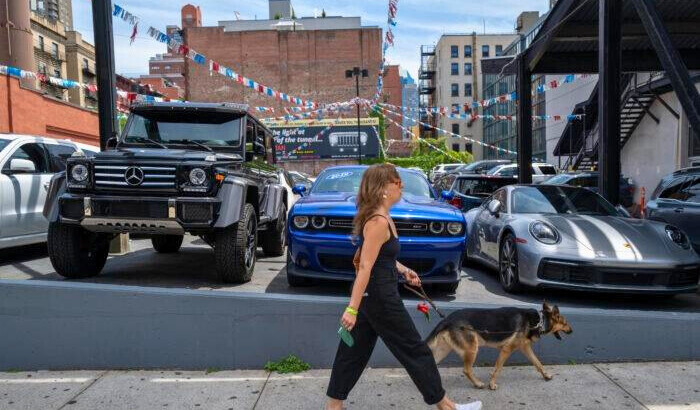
(412,278)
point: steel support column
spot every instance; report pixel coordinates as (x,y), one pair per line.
(672,63)
(106,79)
(609,64)
(524,121)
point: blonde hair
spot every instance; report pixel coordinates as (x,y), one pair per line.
(370,194)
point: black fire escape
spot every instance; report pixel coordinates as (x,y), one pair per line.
(426,87)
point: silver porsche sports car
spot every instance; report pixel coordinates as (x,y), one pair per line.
(569,237)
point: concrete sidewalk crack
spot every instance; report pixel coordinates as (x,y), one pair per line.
(619,386)
(73,399)
(262,390)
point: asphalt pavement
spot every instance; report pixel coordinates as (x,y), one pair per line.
(652,386)
(193,268)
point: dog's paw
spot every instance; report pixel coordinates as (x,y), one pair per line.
(547,376)
(479,385)
(493,386)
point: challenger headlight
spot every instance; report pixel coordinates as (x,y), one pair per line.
(301,222)
(318,222)
(677,236)
(544,233)
(198,176)
(79,173)
(437,227)
(454,228)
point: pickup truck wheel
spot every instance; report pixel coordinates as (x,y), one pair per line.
(76,253)
(273,240)
(235,247)
(167,243)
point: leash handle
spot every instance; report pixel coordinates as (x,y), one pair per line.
(425,297)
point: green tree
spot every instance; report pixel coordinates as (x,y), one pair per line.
(294,15)
(323,13)
(277,16)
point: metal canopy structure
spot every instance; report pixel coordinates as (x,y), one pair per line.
(634,36)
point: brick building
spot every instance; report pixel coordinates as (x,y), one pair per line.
(392,94)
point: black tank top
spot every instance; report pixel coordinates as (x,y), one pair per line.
(385,265)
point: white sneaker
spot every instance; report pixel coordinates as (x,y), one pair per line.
(469,406)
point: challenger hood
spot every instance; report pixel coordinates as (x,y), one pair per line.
(610,236)
(343,204)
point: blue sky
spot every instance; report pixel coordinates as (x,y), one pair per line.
(419,21)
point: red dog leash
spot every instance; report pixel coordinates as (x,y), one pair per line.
(425,297)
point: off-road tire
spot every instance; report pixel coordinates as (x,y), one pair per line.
(76,253)
(274,240)
(231,246)
(167,243)
(296,281)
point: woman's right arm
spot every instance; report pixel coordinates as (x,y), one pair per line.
(375,234)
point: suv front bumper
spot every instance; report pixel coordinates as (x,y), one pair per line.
(155,215)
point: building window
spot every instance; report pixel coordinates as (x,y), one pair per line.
(499,50)
(454,51)
(86,64)
(155,68)
(502,88)
(41,43)
(455,129)
(468,147)
(455,90)
(42,68)
(467,68)
(454,69)
(167,67)
(57,73)
(467,51)
(485,50)
(455,147)
(455,108)
(54,50)
(467,89)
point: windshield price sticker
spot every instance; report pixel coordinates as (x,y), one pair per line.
(340,175)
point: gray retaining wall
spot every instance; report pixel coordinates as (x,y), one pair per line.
(68,325)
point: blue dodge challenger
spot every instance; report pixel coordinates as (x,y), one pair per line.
(320,243)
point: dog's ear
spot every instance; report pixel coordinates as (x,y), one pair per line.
(556,310)
(546,307)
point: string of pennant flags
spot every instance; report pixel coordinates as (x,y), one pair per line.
(568,117)
(388,41)
(214,67)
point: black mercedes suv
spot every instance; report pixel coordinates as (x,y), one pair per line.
(203,169)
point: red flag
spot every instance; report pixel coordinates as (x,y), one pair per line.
(215,66)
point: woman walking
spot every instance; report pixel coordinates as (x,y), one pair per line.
(376,308)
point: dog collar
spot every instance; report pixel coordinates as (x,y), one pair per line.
(542,325)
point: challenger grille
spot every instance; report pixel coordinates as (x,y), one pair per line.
(155,177)
(403,227)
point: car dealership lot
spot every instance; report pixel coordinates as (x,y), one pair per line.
(193,268)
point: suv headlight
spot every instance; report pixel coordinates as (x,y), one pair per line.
(454,228)
(79,173)
(301,222)
(677,236)
(198,176)
(544,233)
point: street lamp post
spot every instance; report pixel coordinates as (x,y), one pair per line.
(357,72)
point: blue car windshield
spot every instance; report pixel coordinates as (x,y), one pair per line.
(348,181)
(3,143)
(549,199)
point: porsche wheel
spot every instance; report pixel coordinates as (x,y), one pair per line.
(508,265)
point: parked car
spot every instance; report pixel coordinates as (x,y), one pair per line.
(285,179)
(569,237)
(441,170)
(677,201)
(419,170)
(590,180)
(303,177)
(28,163)
(481,167)
(203,169)
(467,191)
(540,171)
(320,245)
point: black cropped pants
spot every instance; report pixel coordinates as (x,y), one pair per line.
(382,313)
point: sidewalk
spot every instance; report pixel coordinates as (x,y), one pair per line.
(603,386)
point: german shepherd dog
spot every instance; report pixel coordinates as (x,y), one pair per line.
(508,329)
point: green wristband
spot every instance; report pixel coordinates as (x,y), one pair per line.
(351,310)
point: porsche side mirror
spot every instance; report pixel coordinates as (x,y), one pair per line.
(299,189)
(495,207)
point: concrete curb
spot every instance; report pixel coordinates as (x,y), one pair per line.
(69,325)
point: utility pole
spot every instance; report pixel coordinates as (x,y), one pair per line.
(357,72)
(105,69)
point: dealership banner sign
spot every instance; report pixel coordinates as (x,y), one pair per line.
(325,139)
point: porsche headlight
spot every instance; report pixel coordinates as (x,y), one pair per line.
(79,173)
(677,236)
(454,228)
(301,222)
(544,233)
(437,227)
(198,176)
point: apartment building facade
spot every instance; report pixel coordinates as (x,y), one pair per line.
(457,82)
